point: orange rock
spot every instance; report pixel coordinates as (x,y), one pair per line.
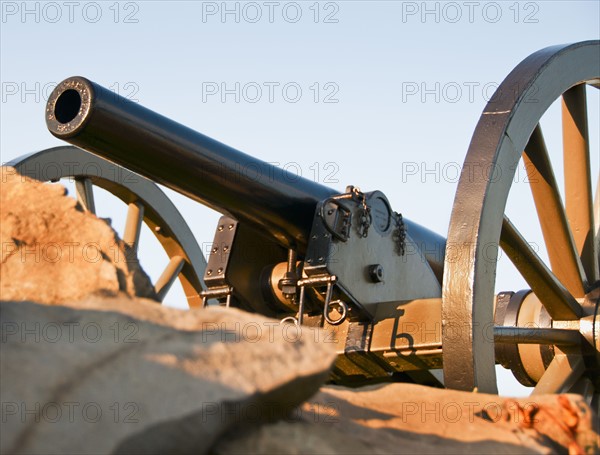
(53,251)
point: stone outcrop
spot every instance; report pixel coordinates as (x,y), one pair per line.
(94,380)
(409,418)
(53,251)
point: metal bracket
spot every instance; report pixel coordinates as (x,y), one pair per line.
(317,281)
(336,218)
(217,293)
(218,261)
(313,282)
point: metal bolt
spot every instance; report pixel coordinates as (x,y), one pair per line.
(376,273)
(209,272)
(220,270)
(230,227)
(220,228)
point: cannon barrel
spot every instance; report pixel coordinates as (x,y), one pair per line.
(269,198)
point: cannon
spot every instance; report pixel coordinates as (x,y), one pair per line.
(400,302)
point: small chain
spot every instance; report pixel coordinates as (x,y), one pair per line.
(364,213)
(400,234)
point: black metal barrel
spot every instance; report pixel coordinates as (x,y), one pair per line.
(273,200)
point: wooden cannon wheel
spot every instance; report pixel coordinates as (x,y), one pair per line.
(568,287)
(146,203)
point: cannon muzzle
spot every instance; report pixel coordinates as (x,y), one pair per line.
(227,180)
(264,196)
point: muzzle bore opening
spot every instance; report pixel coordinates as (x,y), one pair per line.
(67,106)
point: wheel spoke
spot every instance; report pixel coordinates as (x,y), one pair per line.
(578,181)
(133,225)
(564,257)
(597,224)
(169,276)
(562,373)
(524,335)
(554,296)
(85,194)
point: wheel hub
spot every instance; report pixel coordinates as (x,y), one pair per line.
(527,339)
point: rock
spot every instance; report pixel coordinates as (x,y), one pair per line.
(53,251)
(146,379)
(295,438)
(409,418)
